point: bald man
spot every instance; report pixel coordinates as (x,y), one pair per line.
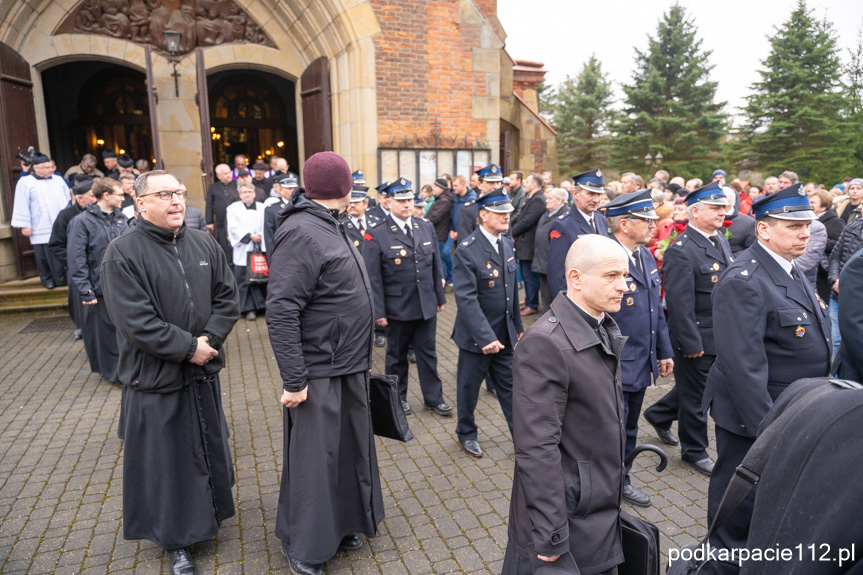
(568,427)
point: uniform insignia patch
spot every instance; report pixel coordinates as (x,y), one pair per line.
(714,278)
(464,243)
(491,283)
(744,273)
(800,331)
(357,243)
(495,273)
(554,234)
(632,287)
(510,259)
(716,266)
(488,266)
(630,301)
(680,243)
(398,261)
(403,253)
(426,243)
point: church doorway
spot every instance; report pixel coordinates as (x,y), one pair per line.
(96,106)
(252,113)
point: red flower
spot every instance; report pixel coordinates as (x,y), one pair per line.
(727,224)
(367,237)
(554,234)
(678,227)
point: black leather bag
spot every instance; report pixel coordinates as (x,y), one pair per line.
(640,538)
(388,417)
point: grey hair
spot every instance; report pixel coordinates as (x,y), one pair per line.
(141,183)
(790,175)
(699,205)
(89,159)
(246,186)
(560,194)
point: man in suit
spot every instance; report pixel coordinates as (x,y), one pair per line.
(692,266)
(490,178)
(488,323)
(568,423)
(647,355)
(524,232)
(849,362)
(581,220)
(770,330)
(405,273)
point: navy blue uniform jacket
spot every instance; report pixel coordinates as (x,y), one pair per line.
(769,333)
(692,267)
(486,293)
(565,230)
(405,275)
(642,319)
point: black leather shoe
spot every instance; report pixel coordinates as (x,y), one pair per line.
(702,466)
(380,341)
(181,563)
(491,391)
(665,435)
(350,542)
(412,357)
(300,568)
(251,316)
(78,334)
(442,408)
(406,406)
(50,285)
(471,447)
(635,496)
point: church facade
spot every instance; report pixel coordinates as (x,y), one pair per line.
(398,87)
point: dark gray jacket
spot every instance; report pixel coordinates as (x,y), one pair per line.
(319,303)
(523,229)
(848,244)
(164,290)
(195,219)
(89,235)
(742,232)
(540,239)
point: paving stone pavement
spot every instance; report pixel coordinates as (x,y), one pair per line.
(61,470)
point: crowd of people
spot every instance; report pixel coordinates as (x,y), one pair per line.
(732,287)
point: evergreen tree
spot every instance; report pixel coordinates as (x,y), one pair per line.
(794,117)
(581,114)
(670,107)
(854,106)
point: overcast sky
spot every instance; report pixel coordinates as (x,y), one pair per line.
(564,33)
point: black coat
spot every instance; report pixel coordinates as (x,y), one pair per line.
(467,217)
(163,290)
(769,332)
(195,219)
(354,232)
(564,230)
(834,225)
(742,231)
(219,197)
(60,233)
(692,267)
(540,241)
(89,236)
(486,293)
(568,437)
(271,221)
(319,303)
(850,242)
(440,215)
(523,229)
(849,362)
(405,276)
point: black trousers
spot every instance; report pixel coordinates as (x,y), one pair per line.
(683,403)
(253,297)
(544,293)
(472,368)
(50,270)
(100,340)
(76,311)
(419,334)
(515,564)
(632,401)
(222,240)
(730,451)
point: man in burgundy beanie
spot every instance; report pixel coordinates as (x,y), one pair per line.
(319,314)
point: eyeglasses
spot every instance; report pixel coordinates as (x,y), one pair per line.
(168,194)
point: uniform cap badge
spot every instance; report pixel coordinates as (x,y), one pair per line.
(398,261)
(800,331)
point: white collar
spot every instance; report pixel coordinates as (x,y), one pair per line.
(705,234)
(402,224)
(786,265)
(491,238)
(356,221)
(586,216)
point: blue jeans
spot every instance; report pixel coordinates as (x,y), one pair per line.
(531,284)
(834,324)
(446,258)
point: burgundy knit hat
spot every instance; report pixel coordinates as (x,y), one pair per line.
(327,177)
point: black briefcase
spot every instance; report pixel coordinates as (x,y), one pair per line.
(640,540)
(388,417)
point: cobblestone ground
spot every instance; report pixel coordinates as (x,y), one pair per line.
(61,470)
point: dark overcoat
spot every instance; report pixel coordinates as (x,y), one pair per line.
(568,434)
(486,293)
(849,361)
(769,332)
(642,319)
(540,240)
(524,228)
(319,314)
(564,230)
(163,290)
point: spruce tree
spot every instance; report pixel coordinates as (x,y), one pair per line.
(670,107)
(794,116)
(854,107)
(581,114)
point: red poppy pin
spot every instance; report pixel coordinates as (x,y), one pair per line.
(554,234)
(367,237)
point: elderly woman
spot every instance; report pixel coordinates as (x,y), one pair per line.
(245,231)
(556,207)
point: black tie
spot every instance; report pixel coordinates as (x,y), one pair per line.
(637,259)
(500,250)
(361,226)
(593,224)
(408,232)
(715,241)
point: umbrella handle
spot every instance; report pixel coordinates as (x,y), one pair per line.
(663,459)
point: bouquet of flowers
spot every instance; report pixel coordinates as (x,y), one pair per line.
(662,245)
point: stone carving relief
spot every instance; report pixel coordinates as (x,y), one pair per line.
(201,22)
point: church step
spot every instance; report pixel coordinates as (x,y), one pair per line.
(24,295)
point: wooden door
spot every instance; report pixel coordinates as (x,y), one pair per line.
(203,99)
(152,101)
(317,110)
(18,118)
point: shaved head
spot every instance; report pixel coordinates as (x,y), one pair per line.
(591,249)
(595,270)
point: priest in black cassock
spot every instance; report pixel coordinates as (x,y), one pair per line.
(221,194)
(173,300)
